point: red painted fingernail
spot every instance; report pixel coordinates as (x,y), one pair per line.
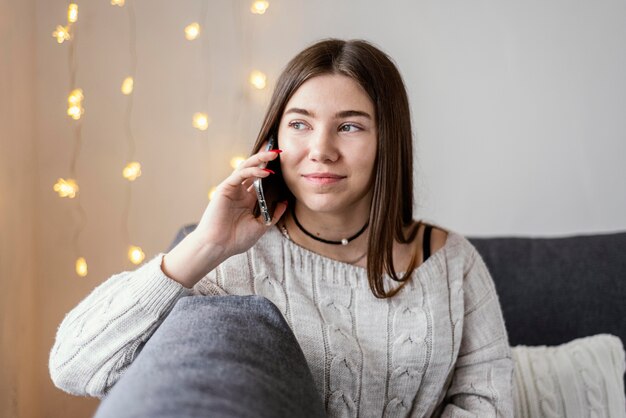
(268,170)
(277,151)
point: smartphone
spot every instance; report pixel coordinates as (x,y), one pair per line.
(258,187)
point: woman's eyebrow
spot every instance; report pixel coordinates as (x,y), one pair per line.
(342,114)
(299,111)
(348,113)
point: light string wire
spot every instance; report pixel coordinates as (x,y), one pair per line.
(77,128)
(247,62)
(241,103)
(238,102)
(205,48)
(242,131)
(132,26)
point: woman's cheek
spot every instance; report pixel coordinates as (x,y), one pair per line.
(286,165)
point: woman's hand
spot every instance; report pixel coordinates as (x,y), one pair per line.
(227,227)
(228,221)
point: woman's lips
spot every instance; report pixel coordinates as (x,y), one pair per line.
(323,178)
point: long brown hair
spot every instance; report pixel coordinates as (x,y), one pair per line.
(391,211)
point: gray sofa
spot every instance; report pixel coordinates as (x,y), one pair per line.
(553,290)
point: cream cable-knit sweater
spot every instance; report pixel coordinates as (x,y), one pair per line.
(437,347)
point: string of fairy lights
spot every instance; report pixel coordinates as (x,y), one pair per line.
(132,170)
(69,187)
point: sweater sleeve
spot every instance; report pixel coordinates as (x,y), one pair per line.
(101,336)
(482,383)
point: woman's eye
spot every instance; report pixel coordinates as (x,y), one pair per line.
(297,125)
(348,127)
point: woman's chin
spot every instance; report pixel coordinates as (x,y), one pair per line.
(322,203)
(329,203)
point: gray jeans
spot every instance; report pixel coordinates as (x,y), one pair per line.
(217,356)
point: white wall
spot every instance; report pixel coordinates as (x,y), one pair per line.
(520,115)
(518,108)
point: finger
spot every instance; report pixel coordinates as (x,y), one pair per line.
(279,211)
(239,176)
(260,158)
(247,183)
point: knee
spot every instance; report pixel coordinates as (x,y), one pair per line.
(264,309)
(233,307)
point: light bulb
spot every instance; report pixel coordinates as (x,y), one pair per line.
(117,3)
(259,7)
(258,79)
(192,31)
(76,97)
(72,13)
(201,121)
(62,33)
(135,254)
(66,188)
(235,161)
(74,104)
(212,192)
(75,111)
(81,267)
(132,171)
(127,85)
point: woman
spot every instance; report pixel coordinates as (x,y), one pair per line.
(395,317)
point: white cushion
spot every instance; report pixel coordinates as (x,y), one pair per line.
(582,378)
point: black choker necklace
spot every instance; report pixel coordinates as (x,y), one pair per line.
(344,241)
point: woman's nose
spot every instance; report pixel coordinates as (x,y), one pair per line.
(322,147)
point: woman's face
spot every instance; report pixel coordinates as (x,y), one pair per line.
(328,135)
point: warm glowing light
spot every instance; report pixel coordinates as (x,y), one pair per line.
(135,254)
(81,267)
(75,97)
(75,104)
(258,79)
(192,31)
(66,188)
(127,85)
(72,13)
(117,3)
(132,171)
(235,161)
(75,112)
(259,7)
(212,192)
(62,33)
(201,121)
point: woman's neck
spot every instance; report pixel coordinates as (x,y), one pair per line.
(331,227)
